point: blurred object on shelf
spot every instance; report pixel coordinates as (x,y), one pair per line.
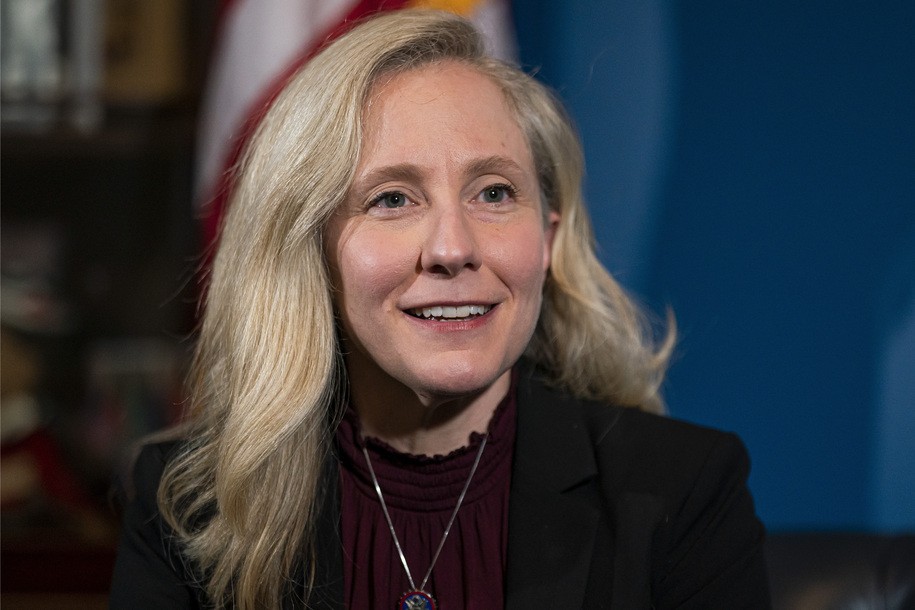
(134,389)
(40,490)
(86,63)
(31,275)
(51,63)
(31,60)
(61,440)
(145,54)
(40,493)
(65,61)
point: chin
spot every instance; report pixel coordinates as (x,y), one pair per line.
(456,379)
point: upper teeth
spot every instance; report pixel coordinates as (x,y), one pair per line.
(451,312)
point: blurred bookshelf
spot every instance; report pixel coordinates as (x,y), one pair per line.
(98,253)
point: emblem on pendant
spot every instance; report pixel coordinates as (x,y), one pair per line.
(417,600)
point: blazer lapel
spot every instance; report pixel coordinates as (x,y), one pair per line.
(553,525)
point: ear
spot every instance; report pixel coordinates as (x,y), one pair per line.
(549,235)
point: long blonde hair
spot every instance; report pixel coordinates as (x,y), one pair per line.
(267,381)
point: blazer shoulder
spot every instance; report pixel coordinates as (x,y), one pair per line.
(627,439)
(675,495)
(150,570)
(657,453)
(145,471)
(635,450)
(685,487)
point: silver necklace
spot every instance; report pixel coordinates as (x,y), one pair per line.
(417,598)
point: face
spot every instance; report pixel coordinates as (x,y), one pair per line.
(439,252)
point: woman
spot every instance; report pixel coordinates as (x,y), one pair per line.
(415,386)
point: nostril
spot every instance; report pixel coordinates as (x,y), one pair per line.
(439,270)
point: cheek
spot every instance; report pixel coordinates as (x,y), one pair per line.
(370,267)
(524,258)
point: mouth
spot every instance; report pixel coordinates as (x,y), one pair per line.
(449,313)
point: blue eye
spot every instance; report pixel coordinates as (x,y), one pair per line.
(496,193)
(391,200)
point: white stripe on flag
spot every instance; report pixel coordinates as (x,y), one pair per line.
(494,20)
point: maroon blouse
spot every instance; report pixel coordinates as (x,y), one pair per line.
(421,493)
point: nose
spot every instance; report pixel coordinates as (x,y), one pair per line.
(451,244)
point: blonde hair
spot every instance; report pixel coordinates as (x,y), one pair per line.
(243,491)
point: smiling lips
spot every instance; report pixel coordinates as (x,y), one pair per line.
(446,312)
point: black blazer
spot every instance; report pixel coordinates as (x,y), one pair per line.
(609,508)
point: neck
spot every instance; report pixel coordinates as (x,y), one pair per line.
(422,423)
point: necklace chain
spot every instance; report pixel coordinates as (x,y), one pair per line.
(457,507)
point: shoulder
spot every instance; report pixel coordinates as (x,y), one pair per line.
(634,444)
(676,494)
(147,465)
(150,570)
(634,449)
(653,453)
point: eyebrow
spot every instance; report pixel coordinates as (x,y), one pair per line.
(409,172)
(406,172)
(495,164)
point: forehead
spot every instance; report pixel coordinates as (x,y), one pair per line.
(451,102)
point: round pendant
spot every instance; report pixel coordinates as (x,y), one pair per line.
(417,600)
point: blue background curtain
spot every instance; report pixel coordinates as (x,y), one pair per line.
(752,165)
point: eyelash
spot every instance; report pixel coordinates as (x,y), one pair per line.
(377,199)
(510,191)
